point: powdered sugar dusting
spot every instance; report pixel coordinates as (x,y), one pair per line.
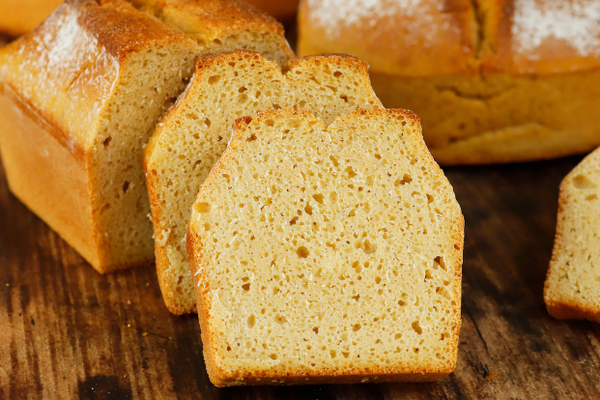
(577,22)
(330,14)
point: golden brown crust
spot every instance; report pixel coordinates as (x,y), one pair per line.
(213,22)
(456,37)
(221,377)
(448,50)
(499,118)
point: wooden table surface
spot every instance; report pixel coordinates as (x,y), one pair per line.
(68,332)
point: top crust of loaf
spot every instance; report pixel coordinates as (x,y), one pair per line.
(66,69)
(214,22)
(441,37)
(216,194)
(572,289)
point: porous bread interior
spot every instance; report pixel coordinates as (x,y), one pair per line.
(196,132)
(141,98)
(573,283)
(327,252)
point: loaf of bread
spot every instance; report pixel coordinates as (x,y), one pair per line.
(81,95)
(327,254)
(195,132)
(572,289)
(20,16)
(492,81)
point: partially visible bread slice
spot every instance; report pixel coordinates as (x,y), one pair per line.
(327,254)
(194,134)
(572,289)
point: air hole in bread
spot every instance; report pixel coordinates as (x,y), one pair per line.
(202,208)
(302,252)
(350,172)
(251,321)
(125,186)
(251,138)
(107,141)
(405,179)
(213,80)
(583,182)
(416,327)
(439,261)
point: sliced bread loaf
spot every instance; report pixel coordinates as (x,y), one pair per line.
(327,254)
(81,95)
(572,289)
(194,134)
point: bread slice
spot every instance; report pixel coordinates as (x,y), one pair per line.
(572,289)
(194,134)
(327,254)
(81,95)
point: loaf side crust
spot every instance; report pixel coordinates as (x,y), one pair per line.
(499,118)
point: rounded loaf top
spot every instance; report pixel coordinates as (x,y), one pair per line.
(450,37)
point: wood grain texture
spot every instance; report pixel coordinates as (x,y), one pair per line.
(68,332)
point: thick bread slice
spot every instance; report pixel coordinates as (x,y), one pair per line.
(79,98)
(194,134)
(327,254)
(572,289)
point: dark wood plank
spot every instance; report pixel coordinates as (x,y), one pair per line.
(68,332)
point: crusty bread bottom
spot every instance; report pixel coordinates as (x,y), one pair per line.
(572,289)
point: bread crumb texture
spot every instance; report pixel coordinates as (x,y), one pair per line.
(573,284)
(327,254)
(194,134)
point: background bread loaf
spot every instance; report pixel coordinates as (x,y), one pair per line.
(492,80)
